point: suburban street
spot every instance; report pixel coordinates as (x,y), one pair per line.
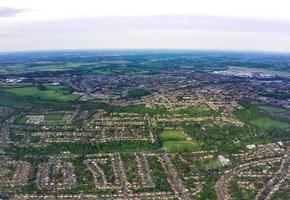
(268,190)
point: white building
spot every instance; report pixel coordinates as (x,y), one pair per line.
(223,161)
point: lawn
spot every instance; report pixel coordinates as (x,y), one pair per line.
(174,140)
(172,135)
(22,120)
(50,117)
(207,164)
(272,109)
(51,93)
(197,111)
(268,123)
(259,117)
(180,146)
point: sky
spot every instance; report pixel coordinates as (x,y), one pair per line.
(258,25)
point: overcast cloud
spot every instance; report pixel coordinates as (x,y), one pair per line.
(9,12)
(197,24)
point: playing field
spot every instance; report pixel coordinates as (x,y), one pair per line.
(272,109)
(262,117)
(174,140)
(51,93)
(54,117)
(179,146)
(172,135)
(268,123)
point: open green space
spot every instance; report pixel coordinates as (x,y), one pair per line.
(8,99)
(174,140)
(261,118)
(172,135)
(272,109)
(140,109)
(197,111)
(207,164)
(180,146)
(54,117)
(22,120)
(268,123)
(54,93)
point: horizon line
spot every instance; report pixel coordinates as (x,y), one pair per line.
(146,49)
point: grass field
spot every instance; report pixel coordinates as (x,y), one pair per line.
(268,123)
(179,146)
(207,164)
(50,117)
(8,99)
(260,118)
(197,111)
(172,135)
(51,93)
(272,109)
(22,120)
(174,140)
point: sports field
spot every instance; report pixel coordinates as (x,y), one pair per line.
(175,140)
(272,109)
(172,135)
(55,93)
(268,123)
(179,146)
(262,117)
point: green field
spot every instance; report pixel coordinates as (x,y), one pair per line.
(268,123)
(54,93)
(180,146)
(272,109)
(207,164)
(197,111)
(22,120)
(174,140)
(260,118)
(50,117)
(172,135)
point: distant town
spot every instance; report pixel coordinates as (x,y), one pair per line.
(144,125)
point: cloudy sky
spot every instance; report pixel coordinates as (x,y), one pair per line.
(182,24)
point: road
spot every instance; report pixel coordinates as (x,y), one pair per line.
(5,129)
(121,175)
(221,187)
(5,133)
(176,183)
(146,178)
